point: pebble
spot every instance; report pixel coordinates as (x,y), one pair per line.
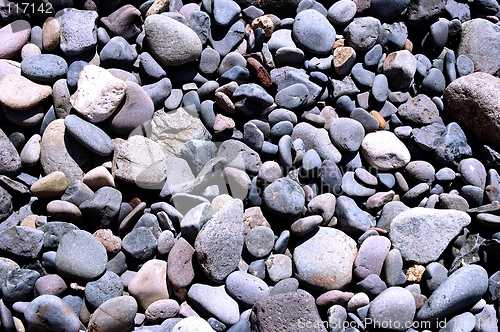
(292,97)
(78,30)
(116,314)
(278,267)
(80,256)
(49,312)
(384,151)
(362,33)
(44,68)
(20,93)
(341,12)
(461,289)
(445,225)
(102,207)
(15,34)
(346,134)
(218,260)
(105,288)
(96,85)
(371,256)
(149,284)
(215,301)
(137,108)
(313,32)
(385,308)
(161,310)
(400,68)
(89,135)
(273,312)
(259,241)
(309,259)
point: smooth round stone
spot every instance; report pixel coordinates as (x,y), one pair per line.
(246,288)
(341,12)
(111,242)
(321,266)
(30,50)
(136,109)
(64,211)
(51,32)
(279,39)
(98,177)
(51,284)
(237,74)
(114,315)
(118,53)
(384,151)
(44,68)
(160,310)
(278,267)
(461,289)
(60,152)
(14,36)
(225,12)
(472,172)
(285,198)
(95,86)
(359,300)
(124,22)
(105,288)
(209,61)
(434,82)
(323,205)
(371,256)
(163,32)
(420,171)
(259,241)
(230,60)
(149,284)
(81,256)
(362,33)
(101,207)
(78,30)
(73,73)
(28,118)
(152,68)
(400,68)
(192,324)
(465,65)
(395,306)
(392,268)
(51,185)
(489,220)
(420,110)
(289,56)
(215,301)
(20,93)
(89,135)
(270,171)
(435,274)
(380,88)
(313,33)
(51,313)
(305,225)
(289,285)
(346,134)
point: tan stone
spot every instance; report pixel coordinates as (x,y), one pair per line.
(98,177)
(150,283)
(19,93)
(51,32)
(51,185)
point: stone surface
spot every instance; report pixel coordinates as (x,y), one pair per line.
(81,256)
(98,95)
(286,311)
(422,234)
(51,313)
(163,32)
(116,314)
(10,161)
(321,266)
(21,94)
(462,288)
(384,151)
(478,42)
(471,101)
(215,302)
(150,283)
(219,259)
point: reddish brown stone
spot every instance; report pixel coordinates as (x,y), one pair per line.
(180,271)
(258,70)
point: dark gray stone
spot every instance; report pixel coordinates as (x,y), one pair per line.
(105,288)
(284,198)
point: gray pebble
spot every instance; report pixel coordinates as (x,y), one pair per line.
(105,288)
(246,288)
